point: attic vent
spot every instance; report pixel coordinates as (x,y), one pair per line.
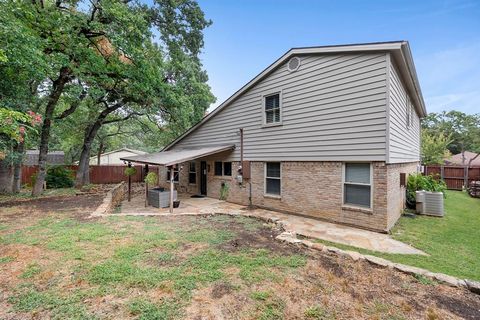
(293,64)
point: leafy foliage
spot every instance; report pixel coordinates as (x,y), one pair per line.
(59,177)
(84,65)
(151,178)
(15,128)
(434,147)
(417,182)
(130,171)
(224,188)
(462,130)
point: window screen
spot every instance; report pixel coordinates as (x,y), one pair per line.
(227,168)
(192,173)
(218,168)
(272,178)
(357,185)
(272,109)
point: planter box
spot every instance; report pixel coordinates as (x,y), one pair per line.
(159,198)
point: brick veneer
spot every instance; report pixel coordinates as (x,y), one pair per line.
(310,188)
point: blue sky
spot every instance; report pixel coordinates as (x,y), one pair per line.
(248,35)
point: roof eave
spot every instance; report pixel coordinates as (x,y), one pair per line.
(406,52)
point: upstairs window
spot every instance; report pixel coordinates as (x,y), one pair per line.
(409,114)
(272,109)
(357,185)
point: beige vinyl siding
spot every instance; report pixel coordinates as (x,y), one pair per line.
(404,141)
(333,108)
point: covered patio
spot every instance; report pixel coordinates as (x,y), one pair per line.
(171,160)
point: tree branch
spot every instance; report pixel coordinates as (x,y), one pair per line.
(133,114)
(74,106)
(471,160)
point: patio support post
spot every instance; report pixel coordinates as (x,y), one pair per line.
(241,152)
(146,186)
(172,178)
(129,183)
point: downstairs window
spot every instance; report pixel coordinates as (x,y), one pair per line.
(357,185)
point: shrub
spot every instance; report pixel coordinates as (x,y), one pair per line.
(151,178)
(224,191)
(130,171)
(417,182)
(59,177)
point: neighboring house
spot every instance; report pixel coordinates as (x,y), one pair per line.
(328,132)
(53,158)
(464,159)
(113,157)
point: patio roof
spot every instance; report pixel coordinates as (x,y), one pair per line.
(168,158)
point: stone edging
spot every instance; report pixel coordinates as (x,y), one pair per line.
(289,236)
(110,200)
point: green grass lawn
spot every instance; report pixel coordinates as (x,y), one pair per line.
(452,242)
(59,263)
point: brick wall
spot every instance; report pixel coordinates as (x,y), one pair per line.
(309,188)
(395,193)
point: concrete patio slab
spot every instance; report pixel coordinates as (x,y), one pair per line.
(299,225)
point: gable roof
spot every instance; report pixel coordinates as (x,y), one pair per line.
(457,159)
(53,157)
(169,158)
(121,149)
(400,51)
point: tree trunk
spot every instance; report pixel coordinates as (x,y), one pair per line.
(57,89)
(5,177)
(83,172)
(83,176)
(17,170)
(99,153)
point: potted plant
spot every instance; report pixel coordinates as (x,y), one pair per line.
(150,179)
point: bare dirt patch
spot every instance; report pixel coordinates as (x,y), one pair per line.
(79,206)
(466,307)
(220,289)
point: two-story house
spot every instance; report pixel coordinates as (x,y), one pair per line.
(329,132)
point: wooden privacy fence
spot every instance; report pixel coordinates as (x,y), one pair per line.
(454,176)
(98,174)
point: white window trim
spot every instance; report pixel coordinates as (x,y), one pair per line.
(344,172)
(280,101)
(276,196)
(190,172)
